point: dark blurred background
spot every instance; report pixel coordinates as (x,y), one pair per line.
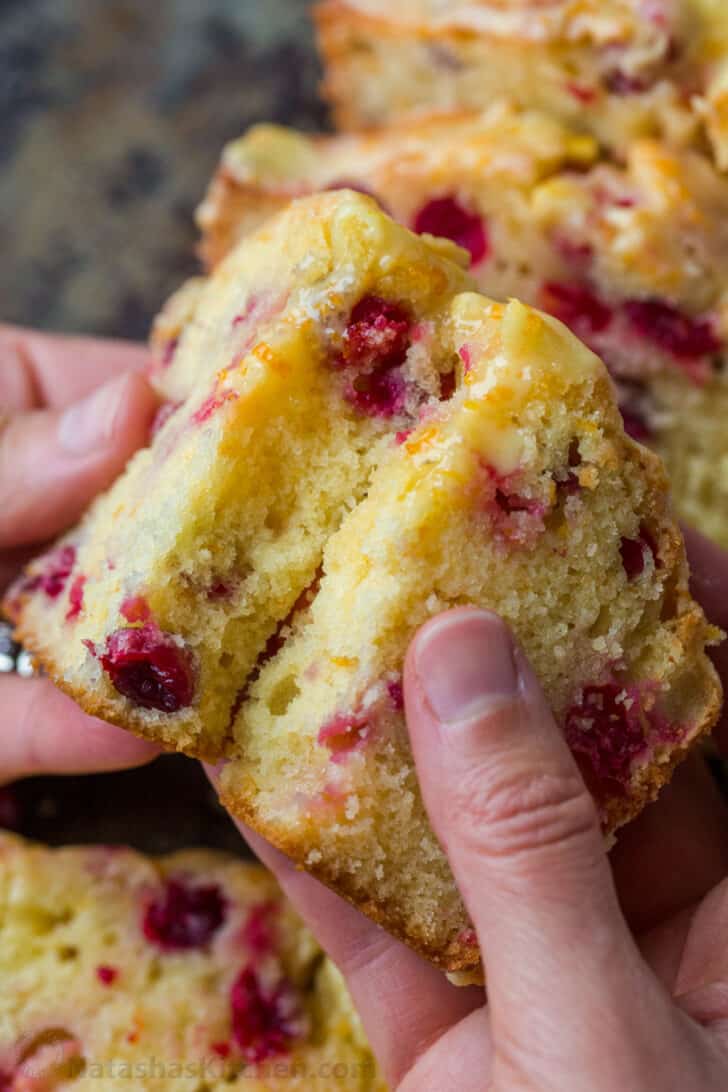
(113,114)
(112,117)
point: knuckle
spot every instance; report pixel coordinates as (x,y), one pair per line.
(524,811)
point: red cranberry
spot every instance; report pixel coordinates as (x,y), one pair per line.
(148,667)
(577,307)
(223,1050)
(75,599)
(378,394)
(184,917)
(265,1020)
(259,929)
(377,336)
(375,344)
(605,732)
(53,578)
(447,217)
(619,83)
(515,518)
(344,733)
(396,694)
(107,975)
(212,404)
(581,92)
(170,349)
(671,330)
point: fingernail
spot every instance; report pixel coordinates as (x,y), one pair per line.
(89,425)
(465,665)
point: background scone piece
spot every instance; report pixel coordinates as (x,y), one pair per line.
(306,352)
(180,973)
(521,494)
(485,163)
(618,68)
(634,258)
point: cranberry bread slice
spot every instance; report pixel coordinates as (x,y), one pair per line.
(305,353)
(175,973)
(632,256)
(521,494)
(619,69)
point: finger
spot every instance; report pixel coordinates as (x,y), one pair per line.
(42,731)
(404,1002)
(701,979)
(52,463)
(520,830)
(676,851)
(39,370)
(663,946)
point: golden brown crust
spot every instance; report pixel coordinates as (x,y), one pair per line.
(221,216)
(457,956)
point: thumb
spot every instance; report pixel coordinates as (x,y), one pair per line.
(518,825)
(52,463)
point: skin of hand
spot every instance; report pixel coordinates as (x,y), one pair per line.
(72,411)
(600,978)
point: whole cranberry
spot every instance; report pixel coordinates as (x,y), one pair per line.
(184,917)
(149,668)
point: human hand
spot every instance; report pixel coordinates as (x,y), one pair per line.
(576,999)
(72,411)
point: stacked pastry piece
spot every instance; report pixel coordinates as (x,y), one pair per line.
(182,973)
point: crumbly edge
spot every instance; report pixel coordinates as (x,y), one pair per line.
(95,704)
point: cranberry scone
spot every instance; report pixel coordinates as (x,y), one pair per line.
(183,973)
(633,257)
(523,494)
(303,355)
(618,68)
